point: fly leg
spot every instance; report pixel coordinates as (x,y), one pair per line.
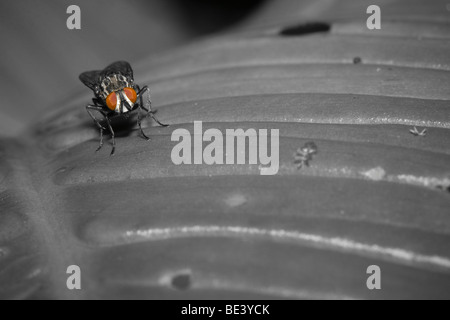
(89,109)
(108,121)
(149,110)
(139,121)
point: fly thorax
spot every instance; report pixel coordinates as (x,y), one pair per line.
(114,83)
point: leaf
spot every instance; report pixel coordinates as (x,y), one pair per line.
(141,227)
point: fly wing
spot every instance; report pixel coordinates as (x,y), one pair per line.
(119,66)
(90,78)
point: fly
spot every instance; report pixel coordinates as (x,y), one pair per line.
(116,95)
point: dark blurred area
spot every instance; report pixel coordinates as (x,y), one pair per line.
(206,16)
(41,58)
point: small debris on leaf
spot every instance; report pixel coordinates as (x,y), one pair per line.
(357,60)
(305,154)
(418,133)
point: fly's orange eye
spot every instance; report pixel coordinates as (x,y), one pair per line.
(111,101)
(131,94)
